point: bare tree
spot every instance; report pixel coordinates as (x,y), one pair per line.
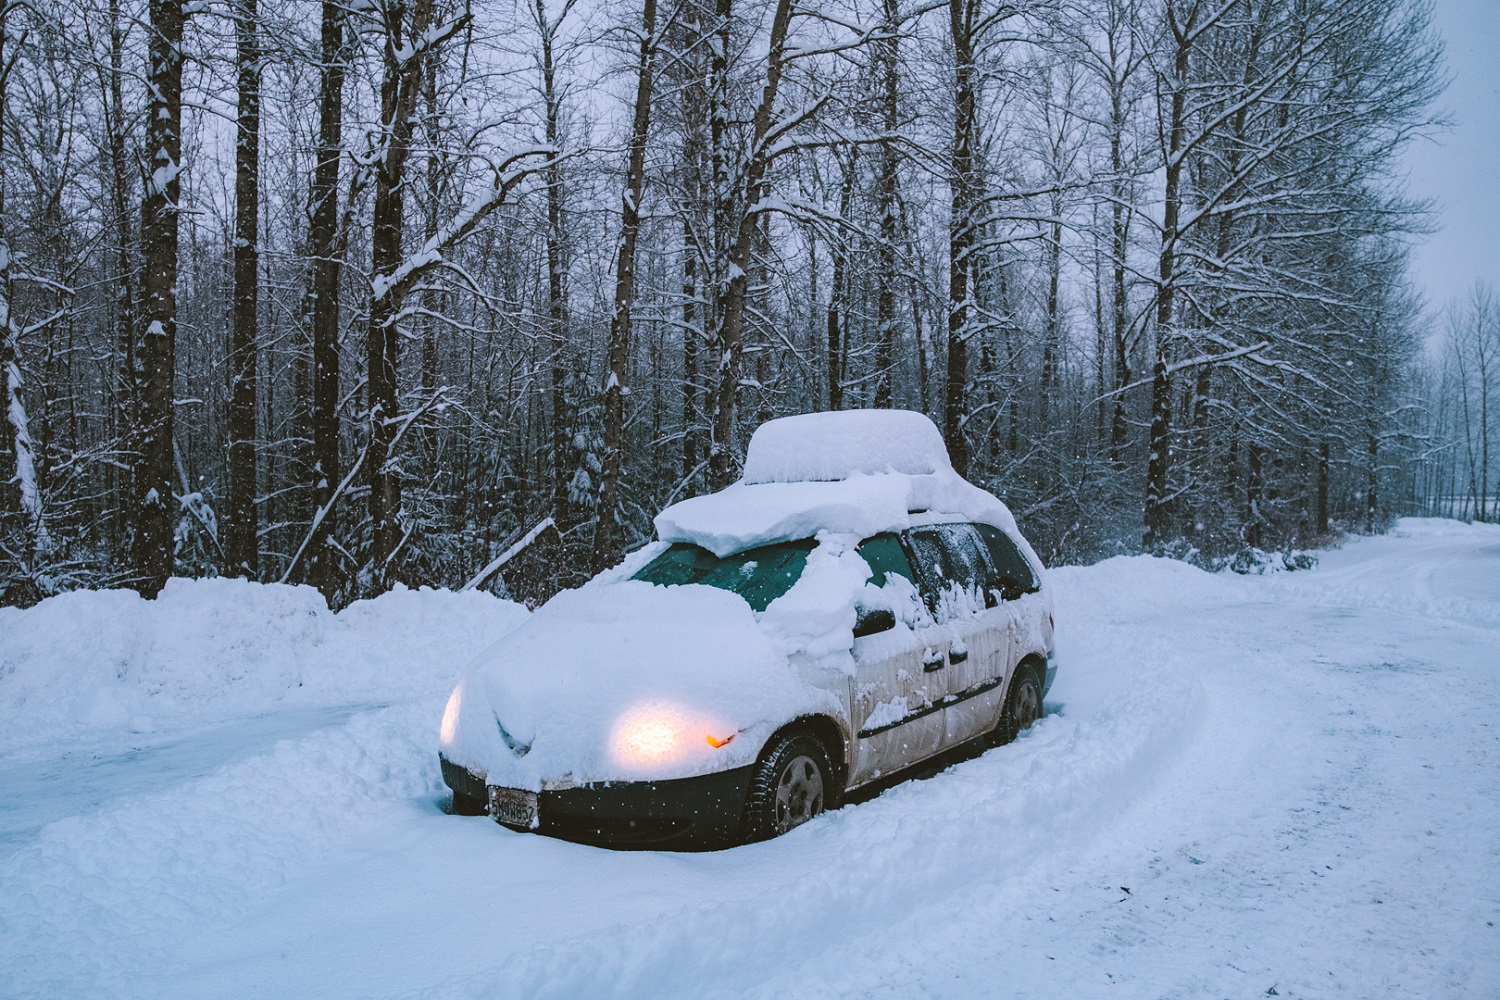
(606,545)
(240,535)
(326,243)
(160,207)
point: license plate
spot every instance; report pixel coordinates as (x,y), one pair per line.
(513,807)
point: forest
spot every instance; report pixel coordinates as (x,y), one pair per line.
(462,292)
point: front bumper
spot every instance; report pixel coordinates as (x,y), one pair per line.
(1051,672)
(698,813)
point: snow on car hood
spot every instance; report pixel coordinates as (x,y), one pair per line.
(624,680)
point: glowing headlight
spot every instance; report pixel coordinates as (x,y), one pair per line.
(449,728)
(651,734)
(648,734)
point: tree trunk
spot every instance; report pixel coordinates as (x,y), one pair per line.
(1158,467)
(159,211)
(241,548)
(1321,519)
(690,336)
(18,483)
(606,542)
(729,337)
(1254,479)
(434,300)
(124,412)
(962,223)
(837,329)
(327,250)
(1052,337)
(888,57)
(557,293)
(695,140)
(1119,232)
(406,47)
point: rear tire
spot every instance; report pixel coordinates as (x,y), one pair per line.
(793,782)
(1023,706)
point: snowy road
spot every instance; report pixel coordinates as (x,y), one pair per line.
(1245,785)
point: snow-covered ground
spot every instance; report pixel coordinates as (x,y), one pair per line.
(1284,785)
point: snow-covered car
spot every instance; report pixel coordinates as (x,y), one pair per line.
(851,608)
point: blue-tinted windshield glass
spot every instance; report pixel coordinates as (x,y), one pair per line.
(759,575)
(682,563)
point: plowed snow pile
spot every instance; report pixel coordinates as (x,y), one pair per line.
(1243,785)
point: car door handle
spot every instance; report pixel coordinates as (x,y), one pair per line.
(932,663)
(957,655)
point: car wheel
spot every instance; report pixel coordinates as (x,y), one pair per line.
(1023,706)
(468,805)
(792,783)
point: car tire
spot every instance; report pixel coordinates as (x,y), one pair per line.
(1023,706)
(469,805)
(792,783)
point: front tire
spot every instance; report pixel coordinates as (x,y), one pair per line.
(1023,706)
(793,782)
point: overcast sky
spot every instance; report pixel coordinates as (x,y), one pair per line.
(1461,169)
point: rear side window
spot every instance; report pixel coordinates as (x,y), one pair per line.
(1010,565)
(954,568)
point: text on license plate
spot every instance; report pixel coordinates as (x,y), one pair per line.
(513,807)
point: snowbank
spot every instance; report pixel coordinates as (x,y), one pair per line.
(219,648)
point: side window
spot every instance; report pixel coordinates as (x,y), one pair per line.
(1010,566)
(953,566)
(885,556)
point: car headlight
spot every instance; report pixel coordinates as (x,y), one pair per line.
(449,728)
(655,733)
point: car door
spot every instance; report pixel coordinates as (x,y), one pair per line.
(897,690)
(958,574)
(1019,589)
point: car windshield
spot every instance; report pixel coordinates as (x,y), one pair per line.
(759,575)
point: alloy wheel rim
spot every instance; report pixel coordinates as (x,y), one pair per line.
(1028,708)
(799,793)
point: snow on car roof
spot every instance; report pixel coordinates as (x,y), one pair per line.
(824,447)
(892,469)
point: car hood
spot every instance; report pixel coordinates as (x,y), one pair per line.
(623,681)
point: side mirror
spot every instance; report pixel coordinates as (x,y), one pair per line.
(873,620)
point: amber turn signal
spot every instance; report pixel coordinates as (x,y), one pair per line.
(718,743)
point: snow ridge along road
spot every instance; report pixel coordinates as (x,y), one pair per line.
(1284,783)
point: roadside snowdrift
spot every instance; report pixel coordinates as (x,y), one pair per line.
(94,661)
